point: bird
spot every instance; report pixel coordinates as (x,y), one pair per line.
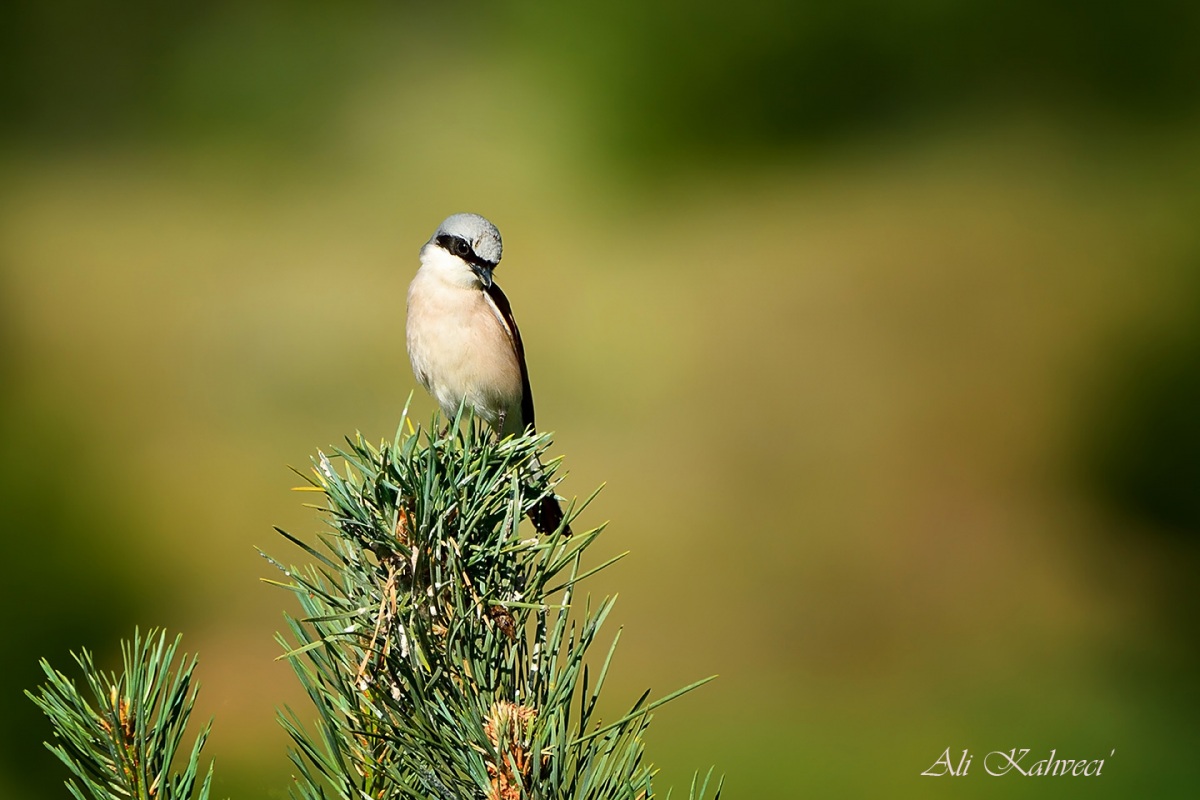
(463,341)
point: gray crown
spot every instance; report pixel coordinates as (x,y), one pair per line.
(481,234)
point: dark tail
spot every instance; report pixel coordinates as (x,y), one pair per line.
(547,516)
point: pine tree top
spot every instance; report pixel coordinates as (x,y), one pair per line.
(444,644)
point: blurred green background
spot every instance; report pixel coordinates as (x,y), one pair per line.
(880,320)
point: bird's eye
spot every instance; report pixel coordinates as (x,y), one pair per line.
(461,248)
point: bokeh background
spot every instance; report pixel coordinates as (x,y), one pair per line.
(879,319)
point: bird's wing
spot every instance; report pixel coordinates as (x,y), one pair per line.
(504,311)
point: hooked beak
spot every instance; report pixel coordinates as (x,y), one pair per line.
(484,273)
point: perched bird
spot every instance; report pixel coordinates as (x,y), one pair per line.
(463,342)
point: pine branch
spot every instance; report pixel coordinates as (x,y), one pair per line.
(448,656)
(122,743)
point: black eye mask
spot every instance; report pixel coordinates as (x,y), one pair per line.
(458,246)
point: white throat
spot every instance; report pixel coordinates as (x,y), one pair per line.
(438,264)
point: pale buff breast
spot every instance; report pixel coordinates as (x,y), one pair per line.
(460,348)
